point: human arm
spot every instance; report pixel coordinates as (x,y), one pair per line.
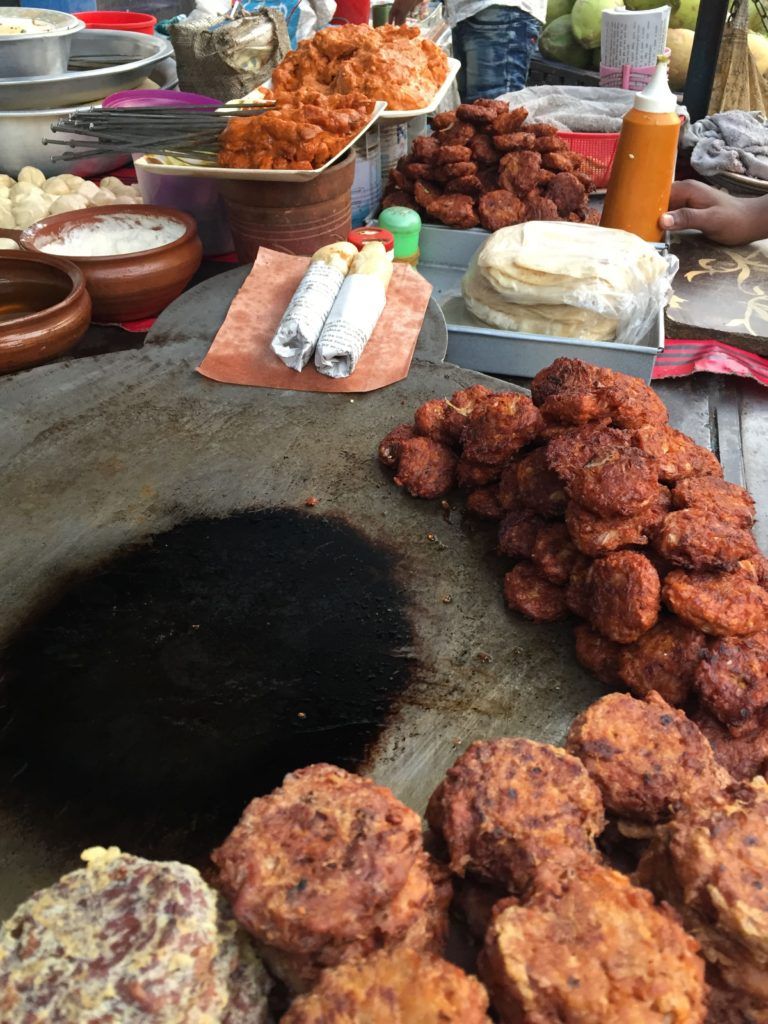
(730,220)
(400,10)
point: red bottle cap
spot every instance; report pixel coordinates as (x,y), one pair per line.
(362,236)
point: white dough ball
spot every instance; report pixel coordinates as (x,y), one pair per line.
(104,198)
(5,192)
(6,214)
(88,189)
(8,243)
(56,186)
(73,180)
(33,175)
(113,184)
(6,180)
(24,188)
(29,210)
(66,204)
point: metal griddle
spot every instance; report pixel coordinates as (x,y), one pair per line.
(101,452)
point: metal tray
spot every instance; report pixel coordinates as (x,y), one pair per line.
(445,255)
(74,87)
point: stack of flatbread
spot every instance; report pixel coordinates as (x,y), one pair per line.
(567,280)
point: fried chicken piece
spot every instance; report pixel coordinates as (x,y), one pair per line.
(743,757)
(518,531)
(514,141)
(710,863)
(678,456)
(624,594)
(516,812)
(469,185)
(718,603)
(728,501)
(647,758)
(484,503)
(425,193)
(539,208)
(529,592)
(500,426)
(470,475)
(599,950)
(549,144)
(554,554)
(616,482)
(570,451)
(427,469)
(402,985)
(484,153)
(445,120)
(565,190)
(596,535)
(510,121)
(431,419)
(755,569)
(519,172)
(509,495)
(391,445)
(425,149)
(574,392)
(452,154)
(597,655)
(538,487)
(500,209)
(732,682)
(700,539)
(456,211)
(482,112)
(665,659)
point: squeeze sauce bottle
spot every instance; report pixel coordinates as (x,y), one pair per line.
(644,166)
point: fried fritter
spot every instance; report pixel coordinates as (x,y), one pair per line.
(513,141)
(457,169)
(756,569)
(516,812)
(539,208)
(554,554)
(599,951)
(469,185)
(732,682)
(538,487)
(647,758)
(415,170)
(577,594)
(678,456)
(452,154)
(391,445)
(484,152)
(445,120)
(425,148)
(461,404)
(624,596)
(471,475)
(474,902)
(565,190)
(500,426)
(718,603)
(549,144)
(500,209)
(595,535)
(728,501)
(482,112)
(509,496)
(400,985)
(510,121)
(484,503)
(431,420)
(427,469)
(397,197)
(458,210)
(539,128)
(742,756)
(711,863)
(458,134)
(635,404)
(664,659)
(426,193)
(518,531)
(279,868)
(616,482)
(571,450)
(696,538)
(598,655)
(529,592)
(519,172)
(573,392)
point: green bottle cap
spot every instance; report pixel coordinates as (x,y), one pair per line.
(405,226)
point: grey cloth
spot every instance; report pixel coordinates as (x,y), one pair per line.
(736,141)
(576,108)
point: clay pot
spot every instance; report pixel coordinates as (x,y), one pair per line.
(55,288)
(138,284)
(297,217)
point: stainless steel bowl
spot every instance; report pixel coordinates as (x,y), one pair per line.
(37,53)
(22,133)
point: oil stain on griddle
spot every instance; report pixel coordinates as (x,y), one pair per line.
(191,673)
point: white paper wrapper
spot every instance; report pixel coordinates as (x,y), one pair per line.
(350,324)
(635,38)
(303,320)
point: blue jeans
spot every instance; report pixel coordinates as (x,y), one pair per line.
(495,48)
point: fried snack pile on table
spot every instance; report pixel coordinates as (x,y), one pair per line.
(301,134)
(390,63)
(485,165)
(128,941)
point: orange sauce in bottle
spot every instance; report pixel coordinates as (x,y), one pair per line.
(644,166)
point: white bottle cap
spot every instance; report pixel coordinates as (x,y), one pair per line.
(657,97)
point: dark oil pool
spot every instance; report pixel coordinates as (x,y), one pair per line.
(160,693)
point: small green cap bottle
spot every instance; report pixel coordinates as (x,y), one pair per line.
(405,226)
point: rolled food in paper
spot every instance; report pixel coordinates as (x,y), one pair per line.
(311,303)
(355,312)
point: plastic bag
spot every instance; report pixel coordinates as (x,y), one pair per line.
(303,18)
(574,280)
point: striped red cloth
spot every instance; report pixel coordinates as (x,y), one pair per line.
(681,358)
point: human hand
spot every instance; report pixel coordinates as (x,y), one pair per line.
(723,218)
(400,11)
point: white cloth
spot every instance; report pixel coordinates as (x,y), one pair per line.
(736,141)
(460,10)
(576,108)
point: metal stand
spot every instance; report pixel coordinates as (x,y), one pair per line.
(706,47)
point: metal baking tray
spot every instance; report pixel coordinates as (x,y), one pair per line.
(445,255)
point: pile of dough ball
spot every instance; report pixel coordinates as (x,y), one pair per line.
(33,196)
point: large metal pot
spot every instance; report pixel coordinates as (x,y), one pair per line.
(35,53)
(22,133)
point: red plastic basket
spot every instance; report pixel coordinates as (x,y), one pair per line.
(598,149)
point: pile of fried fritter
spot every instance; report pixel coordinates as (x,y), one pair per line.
(298,135)
(486,165)
(391,63)
(612,516)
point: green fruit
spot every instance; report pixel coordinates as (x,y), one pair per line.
(586,20)
(557,8)
(680,42)
(755,21)
(649,5)
(685,16)
(559,43)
